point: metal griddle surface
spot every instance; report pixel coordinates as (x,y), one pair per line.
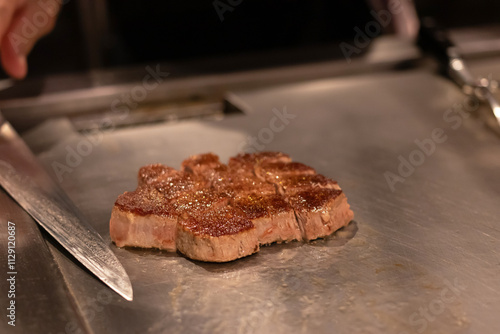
(421,259)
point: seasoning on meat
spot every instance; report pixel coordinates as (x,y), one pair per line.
(214,212)
(217,235)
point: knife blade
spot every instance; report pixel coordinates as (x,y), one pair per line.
(23,177)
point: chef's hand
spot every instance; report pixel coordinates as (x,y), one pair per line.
(22,23)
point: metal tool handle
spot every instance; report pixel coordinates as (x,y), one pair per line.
(435,40)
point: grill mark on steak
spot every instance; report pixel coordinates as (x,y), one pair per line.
(215,212)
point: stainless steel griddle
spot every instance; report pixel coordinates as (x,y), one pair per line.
(423,258)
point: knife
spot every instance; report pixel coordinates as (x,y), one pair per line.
(27,182)
(433,39)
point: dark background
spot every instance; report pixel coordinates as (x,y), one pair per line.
(173,31)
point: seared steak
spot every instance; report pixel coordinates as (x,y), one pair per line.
(274,171)
(210,211)
(242,184)
(199,201)
(320,212)
(217,235)
(293,184)
(142,218)
(173,186)
(202,163)
(272,216)
(153,173)
(247,161)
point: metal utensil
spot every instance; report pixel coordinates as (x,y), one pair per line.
(22,176)
(433,39)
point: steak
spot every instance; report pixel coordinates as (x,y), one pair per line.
(273,171)
(153,173)
(142,218)
(293,184)
(247,161)
(199,201)
(242,184)
(174,185)
(214,212)
(272,216)
(217,235)
(202,164)
(320,212)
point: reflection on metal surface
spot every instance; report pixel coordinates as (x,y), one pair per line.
(492,118)
(496,111)
(457,64)
(40,291)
